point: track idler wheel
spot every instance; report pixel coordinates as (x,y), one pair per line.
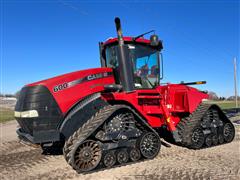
(228,132)
(134,154)
(197,138)
(87,156)
(110,159)
(149,145)
(122,156)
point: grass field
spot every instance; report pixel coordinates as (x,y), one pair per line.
(6,114)
(224,104)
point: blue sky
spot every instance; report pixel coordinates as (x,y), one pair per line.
(42,39)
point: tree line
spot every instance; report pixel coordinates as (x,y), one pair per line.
(214,96)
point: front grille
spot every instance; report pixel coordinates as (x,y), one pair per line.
(38,98)
(26,125)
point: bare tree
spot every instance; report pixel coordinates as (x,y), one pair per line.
(213,95)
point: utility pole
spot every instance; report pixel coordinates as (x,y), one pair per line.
(235,81)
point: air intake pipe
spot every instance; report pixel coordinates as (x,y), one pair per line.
(125,64)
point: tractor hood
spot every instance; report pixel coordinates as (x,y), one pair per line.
(69,88)
(42,105)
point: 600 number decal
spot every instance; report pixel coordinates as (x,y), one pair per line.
(60,87)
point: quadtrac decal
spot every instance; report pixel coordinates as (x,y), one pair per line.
(81,80)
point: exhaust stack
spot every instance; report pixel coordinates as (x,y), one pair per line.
(119,31)
(125,65)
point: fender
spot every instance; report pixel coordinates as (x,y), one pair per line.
(82,112)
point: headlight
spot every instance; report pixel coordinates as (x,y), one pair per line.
(26,114)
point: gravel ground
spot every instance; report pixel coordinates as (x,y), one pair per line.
(18,161)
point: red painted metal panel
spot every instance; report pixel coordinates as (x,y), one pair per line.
(80,85)
(175,98)
(127,39)
(155,105)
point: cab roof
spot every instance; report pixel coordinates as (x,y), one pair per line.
(128,39)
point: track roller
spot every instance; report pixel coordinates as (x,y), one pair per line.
(134,154)
(110,159)
(122,156)
(208,140)
(215,139)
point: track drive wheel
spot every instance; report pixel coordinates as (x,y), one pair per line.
(87,156)
(197,138)
(150,145)
(228,132)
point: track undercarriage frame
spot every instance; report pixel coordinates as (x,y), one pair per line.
(117,135)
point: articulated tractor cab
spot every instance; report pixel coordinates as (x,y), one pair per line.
(118,113)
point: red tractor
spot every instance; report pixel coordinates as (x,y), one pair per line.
(117,113)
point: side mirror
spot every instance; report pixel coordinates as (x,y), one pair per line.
(154,40)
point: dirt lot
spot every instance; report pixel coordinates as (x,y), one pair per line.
(18,161)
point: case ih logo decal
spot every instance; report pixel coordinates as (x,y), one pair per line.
(97,76)
(81,80)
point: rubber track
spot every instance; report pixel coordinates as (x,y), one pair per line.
(91,126)
(85,131)
(187,125)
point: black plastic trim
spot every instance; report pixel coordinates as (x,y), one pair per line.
(39,136)
(80,114)
(39,98)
